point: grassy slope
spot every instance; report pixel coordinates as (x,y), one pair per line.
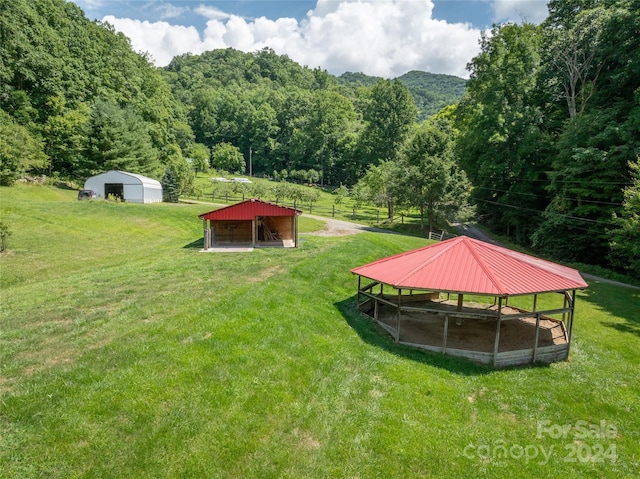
(126,353)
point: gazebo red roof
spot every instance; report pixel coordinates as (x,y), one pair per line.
(248,210)
(466,265)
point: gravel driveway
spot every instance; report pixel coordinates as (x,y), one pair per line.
(335,227)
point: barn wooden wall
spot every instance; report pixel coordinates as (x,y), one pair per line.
(232,231)
(283,225)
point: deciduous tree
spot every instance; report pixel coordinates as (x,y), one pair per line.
(429,178)
(20,151)
(225,156)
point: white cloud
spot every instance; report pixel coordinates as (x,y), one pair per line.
(84,4)
(518,11)
(167,10)
(384,38)
(211,13)
(162,40)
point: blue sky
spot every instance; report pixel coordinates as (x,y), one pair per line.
(378,37)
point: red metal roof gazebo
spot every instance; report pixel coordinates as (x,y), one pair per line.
(465,266)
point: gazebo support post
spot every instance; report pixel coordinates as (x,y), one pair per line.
(535,341)
(570,325)
(375,309)
(398,318)
(446,330)
(460,301)
(497,343)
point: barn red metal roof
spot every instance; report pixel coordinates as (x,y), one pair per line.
(466,265)
(248,210)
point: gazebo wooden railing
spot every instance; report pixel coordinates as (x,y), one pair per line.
(432,309)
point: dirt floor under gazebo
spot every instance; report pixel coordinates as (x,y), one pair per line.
(473,334)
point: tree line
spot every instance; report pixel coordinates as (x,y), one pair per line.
(550,132)
(542,147)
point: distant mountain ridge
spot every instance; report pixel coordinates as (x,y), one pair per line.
(431,91)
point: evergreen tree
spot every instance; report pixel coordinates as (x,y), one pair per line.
(170,187)
(118,139)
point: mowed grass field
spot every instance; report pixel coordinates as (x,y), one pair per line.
(125,352)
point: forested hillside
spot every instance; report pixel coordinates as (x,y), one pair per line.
(431,92)
(298,119)
(290,117)
(545,140)
(76,100)
(550,132)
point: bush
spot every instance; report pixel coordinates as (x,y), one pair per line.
(5,233)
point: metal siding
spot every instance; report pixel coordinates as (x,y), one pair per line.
(466,265)
(133,193)
(248,210)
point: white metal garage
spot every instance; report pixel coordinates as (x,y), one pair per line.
(126,186)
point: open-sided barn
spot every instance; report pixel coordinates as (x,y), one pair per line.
(253,223)
(126,186)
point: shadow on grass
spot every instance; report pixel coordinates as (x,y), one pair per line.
(622,302)
(197,244)
(371,334)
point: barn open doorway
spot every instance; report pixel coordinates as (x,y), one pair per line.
(116,190)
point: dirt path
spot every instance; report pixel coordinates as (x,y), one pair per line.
(334,227)
(474,232)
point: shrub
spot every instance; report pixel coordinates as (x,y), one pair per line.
(5,233)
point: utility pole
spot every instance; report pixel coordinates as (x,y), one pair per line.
(250,163)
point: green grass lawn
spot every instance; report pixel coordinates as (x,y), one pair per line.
(125,352)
